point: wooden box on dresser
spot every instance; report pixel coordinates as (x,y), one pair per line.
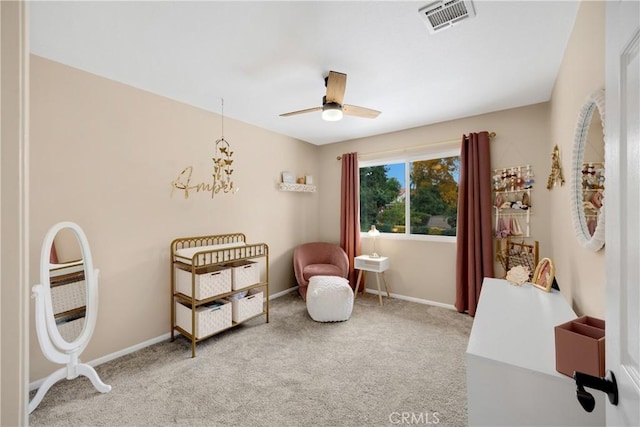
(511,375)
(207,274)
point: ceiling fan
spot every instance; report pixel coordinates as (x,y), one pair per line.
(332,106)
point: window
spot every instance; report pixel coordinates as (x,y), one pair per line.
(427,207)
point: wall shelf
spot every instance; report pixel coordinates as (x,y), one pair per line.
(512,200)
(303,188)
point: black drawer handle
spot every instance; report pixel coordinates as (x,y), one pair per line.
(605,384)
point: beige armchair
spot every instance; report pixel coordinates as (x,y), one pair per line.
(318,259)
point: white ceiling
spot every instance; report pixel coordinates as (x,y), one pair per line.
(266,58)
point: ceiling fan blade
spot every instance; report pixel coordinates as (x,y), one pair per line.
(308,110)
(336,85)
(353,110)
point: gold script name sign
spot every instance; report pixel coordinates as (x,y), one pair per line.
(220,177)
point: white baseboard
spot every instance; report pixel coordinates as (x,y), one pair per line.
(283,293)
(412,299)
(375,292)
(104,359)
(109,357)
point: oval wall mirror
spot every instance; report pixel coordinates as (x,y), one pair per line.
(587,173)
(66,305)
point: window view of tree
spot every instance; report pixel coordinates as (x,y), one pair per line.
(432,197)
(379,199)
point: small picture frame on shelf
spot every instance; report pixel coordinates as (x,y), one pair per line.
(308,179)
(544,274)
(288,178)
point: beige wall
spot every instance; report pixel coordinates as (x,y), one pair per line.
(580,273)
(426,269)
(104,154)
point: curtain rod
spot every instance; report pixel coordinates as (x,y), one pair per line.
(491,135)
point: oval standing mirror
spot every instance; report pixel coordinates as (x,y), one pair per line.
(68,285)
(587,173)
(66,305)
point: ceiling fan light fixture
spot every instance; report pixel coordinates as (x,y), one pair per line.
(332,106)
(331,112)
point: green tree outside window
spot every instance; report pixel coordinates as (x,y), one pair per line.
(432,197)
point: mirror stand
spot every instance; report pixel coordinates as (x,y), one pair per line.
(56,348)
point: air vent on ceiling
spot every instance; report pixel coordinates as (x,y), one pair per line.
(443,14)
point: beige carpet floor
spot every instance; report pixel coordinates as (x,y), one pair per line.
(385,366)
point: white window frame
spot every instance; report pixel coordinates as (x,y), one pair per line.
(441,151)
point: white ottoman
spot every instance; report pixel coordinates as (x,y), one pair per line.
(329,299)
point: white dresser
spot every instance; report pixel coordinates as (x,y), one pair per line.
(511,375)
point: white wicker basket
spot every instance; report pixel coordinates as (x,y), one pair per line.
(71,330)
(209,320)
(69,296)
(209,284)
(243,274)
(246,307)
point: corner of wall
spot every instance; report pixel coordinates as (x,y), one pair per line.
(580,273)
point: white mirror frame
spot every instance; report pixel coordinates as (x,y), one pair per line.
(54,347)
(91,293)
(596,241)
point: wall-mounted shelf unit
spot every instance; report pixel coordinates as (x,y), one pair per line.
(512,201)
(302,188)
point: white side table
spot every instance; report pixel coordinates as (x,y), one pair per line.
(377,265)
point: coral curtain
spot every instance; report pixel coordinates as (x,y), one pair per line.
(53,255)
(350,211)
(474,237)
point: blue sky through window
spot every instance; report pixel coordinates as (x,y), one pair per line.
(396,170)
